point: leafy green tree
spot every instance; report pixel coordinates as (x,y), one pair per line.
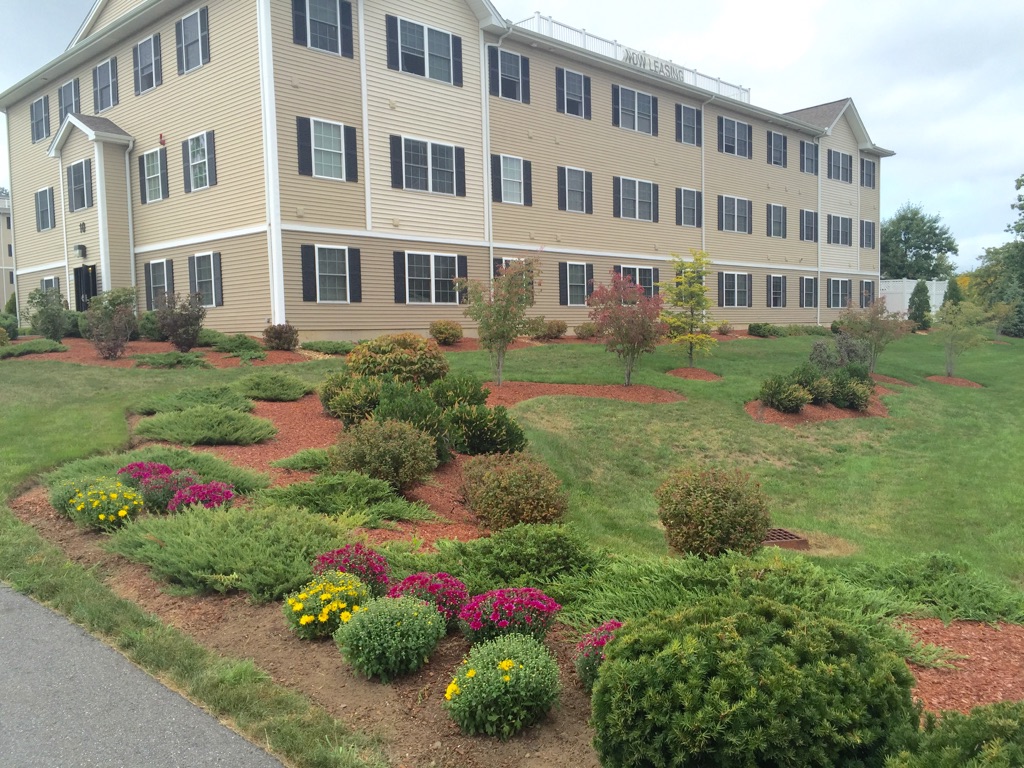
(690,324)
(1017,227)
(998,280)
(916,245)
(48,313)
(954,292)
(876,326)
(920,307)
(961,327)
(500,308)
(629,321)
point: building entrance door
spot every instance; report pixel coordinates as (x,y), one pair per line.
(85,286)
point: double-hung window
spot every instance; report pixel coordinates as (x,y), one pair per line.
(777,149)
(776,291)
(508,75)
(867,234)
(637,199)
(44,209)
(428,166)
(192,38)
(735,137)
(867,293)
(838,293)
(69,98)
(840,166)
(199,160)
(808,157)
(80,185)
(688,125)
(867,173)
(840,230)
(48,284)
(331,274)
(576,284)
(689,205)
(159,283)
(429,278)
(776,220)
(634,110)
(511,179)
(328,150)
(808,292)
(572,93)
(734,214)
(40,115)
(425,51)
(734,289)
(146,64)
(153,175)
(327,25)
(642,276)
(203,278)
(104,85)
(575,190)
(809,226)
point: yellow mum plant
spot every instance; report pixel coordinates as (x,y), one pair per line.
(324,604)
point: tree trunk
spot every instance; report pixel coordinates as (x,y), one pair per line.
(499,364)
(629,370)
(690,353)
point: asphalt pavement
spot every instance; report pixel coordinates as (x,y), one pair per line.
(69,701)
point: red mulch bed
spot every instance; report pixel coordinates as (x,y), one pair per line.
(82,351)
(953,381)
(814,413)
(694,374)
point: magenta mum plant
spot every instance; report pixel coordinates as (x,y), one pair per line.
(367,564)
(137,471)
(210,495)
(158,490)
(442,590)
(590,652)
(524,610)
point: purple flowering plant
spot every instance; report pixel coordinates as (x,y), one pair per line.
(361,561)
(159,490)
(523,610)
(133,474)
(442,590)
(210,495)
(590,652)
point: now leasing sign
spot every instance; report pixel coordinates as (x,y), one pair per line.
(649,63)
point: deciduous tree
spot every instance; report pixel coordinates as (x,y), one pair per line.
(688,321)
(629,321)
(961,327)
(876,326)
(916,245)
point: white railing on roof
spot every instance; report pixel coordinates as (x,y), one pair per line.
(546,25)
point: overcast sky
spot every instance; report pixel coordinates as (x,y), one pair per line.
(941,83)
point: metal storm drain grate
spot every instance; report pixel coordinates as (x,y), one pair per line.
(780,537)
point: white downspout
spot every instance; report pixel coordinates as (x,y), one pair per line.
(271,169)
(63,220)
(131,217)
(364,97)
(817,168)
(703,221)
(102,214)
(486,104)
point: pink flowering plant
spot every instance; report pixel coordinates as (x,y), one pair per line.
(590,652)
(133,474)
(210,495)
(359,560)
(522,610)
(442,590)
(158,490)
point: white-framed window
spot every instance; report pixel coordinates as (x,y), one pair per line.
(867,293)
(198,162)
(809,226)
(146,54)
(157,283)
(425,51)
(840,230)
(429,278)
(636,199)
(332,274)
(867,173)
(511,179)
(734,137)
(328,149)
(808,291)
(838,293)
(69,98)
(809,157)
(690,125)
(153,176)
(777,149)
(327,24)
(642,276)
(776,291)
(79,185)
(576,282)
(104,79)
(574,93)
(636,110)
(690,208)
(575,190)
(776,220)
(39,113)
(840,166)
(48,284)
(206,285)
(429,166)
(193,30)
(735,289)
(44,209)
(867,234)
(510,76)
(735,215)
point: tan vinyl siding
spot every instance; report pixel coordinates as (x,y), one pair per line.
(78,148)
(111,11)
(840,199)
(6,262)
(405,104)
(316,84)
(117,216)
(870,210)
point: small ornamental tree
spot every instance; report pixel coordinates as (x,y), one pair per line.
(960,326)
(875,326)
(954,292)
(629,321)
(690,325)
(920,307)
(500,312)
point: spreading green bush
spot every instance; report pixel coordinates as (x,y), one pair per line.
(991,736)
(478,429)
(393,451)
(48,313)
(208,337)
(207,425)
(349,399)
(585,330)
(149,328)
(218,395)
(821,391)
(332,384)
(446,332)
(849,391)
(331,600)
(328,347)
(167,360)
(554,329)
(765,330)
(11,307)
(241,346)
(783,394)
(5,340)
(706,511)
(283,336)
(749,682)
(391,637)
(180,319)
(535,327)
(9,322)
(402,356)
(112,322)
(33,347)
(503,686)
(458,389)
(306,460)
(73,321)
(506,489)
(404,402)
(350,494)
(273,386)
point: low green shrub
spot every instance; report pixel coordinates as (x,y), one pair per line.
(73,322)
(724,328)
(503,686)
(402,356)
(805,374)
(208,337)
(103,503)
(458,389)
(478,429)
(585,330)
(11,307)
(181,319)
(264,551)
(506,489)
(33,347)
(824,356)
(848,391)
(535,327)
(273,386)
(218,395)
(348,493)
(706,511)
(393,451)
(821,391)
(149,328)
(112,322)
(306,460)
(331,600)
(283,336)
(5,340)
(554,329)
(764,330)
(749,682)
(9,322)
(207,425)
(332,384)
(590,653)
(355,401)
(245,347)
(806,329)
(404,402)
(446,332)
(391,637)
(48,313)
(783,394)
(171,360)
(991,736)
(328,347)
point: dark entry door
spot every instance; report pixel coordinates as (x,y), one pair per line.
(85,286)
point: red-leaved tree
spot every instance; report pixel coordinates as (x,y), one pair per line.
(629,321)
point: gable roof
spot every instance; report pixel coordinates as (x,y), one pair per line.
(825,116)
(86,28)
(95,129)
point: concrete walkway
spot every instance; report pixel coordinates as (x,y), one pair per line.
(67,700)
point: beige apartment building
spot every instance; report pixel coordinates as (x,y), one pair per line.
(335,164)
(6,251)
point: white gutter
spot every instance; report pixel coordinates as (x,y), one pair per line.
(485,92)
(7,135)
(364,97)
(271,169)
(817,298)
(703,221)
(131,216)
(101,216)
(63,220)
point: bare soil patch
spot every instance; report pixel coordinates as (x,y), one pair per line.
(694,374)
(954,381)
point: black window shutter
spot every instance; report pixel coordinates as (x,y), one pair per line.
(52,222)
(700,127)
(496,265)
(460,172)
(147,270)
(721,135)
(802,231)
(305,143)
(462,271)
(862,294)
(527,183)
(656,278)
(355,276)
(768,218)
(135,69)
(654,202)
(142,179)
(562,189)
(457,61)
(308,272)
(76,104)
(169,270)
(750,217)
(769,291)
(783,290)
(179,46)
(524,79)
(828,222)
(95,90)
(785,151)
(750,290)
(113,82)
(750,142)
(654,115)
(211,160)
(559,89)
(829,158)
(679,206)
(493,80)
(586,97)
(158,63)
(590,279)
(218,282)
(204,34)
(298,23)
(815,291)
(588,181)
(193,287)
(615,105)
(563,283)
(785,215)
(88,183)
(496,195)
(803,168)
(679,122)
(346,31)
(721,212)
(164,184)
(391,31)
(617,269)
(769,143)
(351,161)
(721,289)
(185,163)
(399,257)
(71,195)
(397,166)
(700,209)
(828,296)
(802,291)
(616,198)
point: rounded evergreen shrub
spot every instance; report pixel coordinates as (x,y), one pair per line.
(10,324)
(393,451)
(477,429)
(458,389)
(820,390)
(149,328)
(783,394)
(506,489)
(446,332)
(5,340)
(273,386)
(353,401)
(706,511)
(503,686)
(283,336)
(585,330)
(991,736)
(555,329)
(763,330)
(403,401)
(402,356)
(391,637)
(749,682)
